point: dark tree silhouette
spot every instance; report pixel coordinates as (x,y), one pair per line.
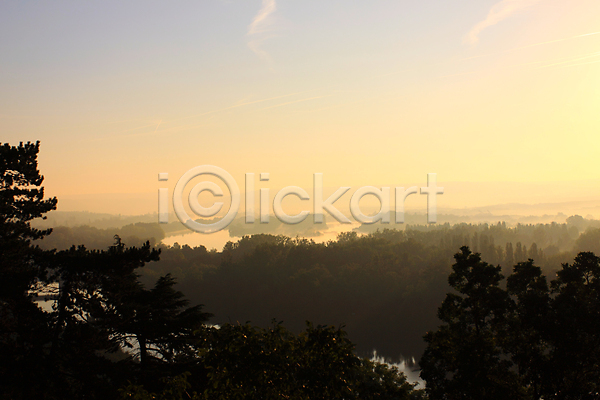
(85,320)
(575,333)
(528,342)
(160,321)
(23,326)
(464,356)
(68,352)
(245,362)
(528,326)
(21,200)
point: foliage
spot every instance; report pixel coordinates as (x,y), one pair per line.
(464,356)
(528,341)
(369,283)
(21,200)
(78,349)
(160,322)
(525,340)
(246,362)
(23,327)
(68,352)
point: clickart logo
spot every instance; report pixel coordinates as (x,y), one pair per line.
(320,205)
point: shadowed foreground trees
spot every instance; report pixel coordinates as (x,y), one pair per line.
(105,329)
(23,326)
(464,356)
(246,362)
(163,328)
(528,341)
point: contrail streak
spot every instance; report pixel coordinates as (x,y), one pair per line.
(534,45)
(295,101)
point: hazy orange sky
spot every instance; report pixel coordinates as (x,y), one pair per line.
(500,98)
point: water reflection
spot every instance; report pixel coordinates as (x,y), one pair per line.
(218,239)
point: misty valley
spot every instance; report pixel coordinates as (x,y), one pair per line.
(201,200)
(384,285)
(105,309)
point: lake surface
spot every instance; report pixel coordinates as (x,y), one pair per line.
(218,239)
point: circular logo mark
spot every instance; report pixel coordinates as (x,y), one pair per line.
(195,205)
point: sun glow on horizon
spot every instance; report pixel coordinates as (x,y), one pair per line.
(375,94)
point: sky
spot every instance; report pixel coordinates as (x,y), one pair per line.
(500,99)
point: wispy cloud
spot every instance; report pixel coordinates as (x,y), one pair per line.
(499,12)
(259,29)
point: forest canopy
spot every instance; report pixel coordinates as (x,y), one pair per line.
(156,321)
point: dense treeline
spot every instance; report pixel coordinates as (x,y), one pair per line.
(531,340)
(246,362)
(107,334)
(385,286)
(113,333)
(135,234)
